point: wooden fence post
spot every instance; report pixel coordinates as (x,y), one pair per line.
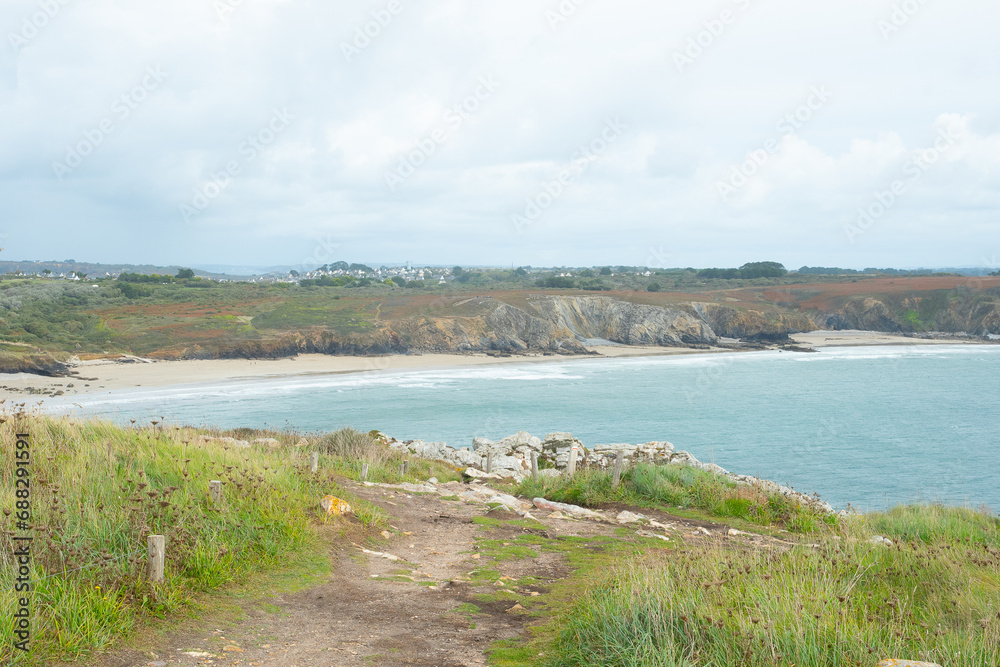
(619,462)
(534,466)
(215,488)
(571,468)
(364,472)
(155,550)
(489,462)
(314,464)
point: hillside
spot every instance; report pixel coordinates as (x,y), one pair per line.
(43,323)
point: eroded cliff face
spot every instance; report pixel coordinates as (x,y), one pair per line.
(973,313)
(557,324)
(623,322)
(754,325)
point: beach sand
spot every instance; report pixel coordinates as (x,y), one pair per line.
(108,375)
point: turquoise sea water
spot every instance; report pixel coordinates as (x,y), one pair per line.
(870,426)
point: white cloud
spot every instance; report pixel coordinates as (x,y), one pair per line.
(656,186)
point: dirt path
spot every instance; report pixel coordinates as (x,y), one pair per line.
(434,593)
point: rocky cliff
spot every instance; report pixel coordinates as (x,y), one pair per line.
(974,313)
(755,325)
(556,324)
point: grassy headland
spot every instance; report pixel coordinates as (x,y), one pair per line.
(97,491)
(44,321)
(919,582)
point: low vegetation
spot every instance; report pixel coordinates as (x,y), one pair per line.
(932,594)
(98,490)
(682,487)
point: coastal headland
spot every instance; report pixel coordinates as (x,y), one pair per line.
(128,371)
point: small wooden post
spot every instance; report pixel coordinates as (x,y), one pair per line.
(534,466)
(314,464)
(489,462)
(215,488)
(155,550)
(364,472)
(571,468)
(619,462)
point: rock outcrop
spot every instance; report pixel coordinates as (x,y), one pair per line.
(512,459)
(753,325)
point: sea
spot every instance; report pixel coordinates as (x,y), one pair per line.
(865,427)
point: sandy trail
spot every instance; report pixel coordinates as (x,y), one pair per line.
(375,611)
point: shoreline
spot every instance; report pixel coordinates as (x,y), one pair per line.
(106,375)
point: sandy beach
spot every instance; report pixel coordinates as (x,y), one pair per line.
(109,375)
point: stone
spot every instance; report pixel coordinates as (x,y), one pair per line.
(629,517)
(472,473)
(683,458)
(570,510)
(302,443)
(479,443)
(521,439)
(334,506)
(267,442)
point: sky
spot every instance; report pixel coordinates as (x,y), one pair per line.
(524,132)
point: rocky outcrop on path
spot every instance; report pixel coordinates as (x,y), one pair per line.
(511,458)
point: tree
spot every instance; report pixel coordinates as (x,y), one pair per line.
(586,273)
(520,272)
(185,274)
(752,270)
(457,271)
(399,280)
(360,267)
(606,271)
(293,273)
(654,287)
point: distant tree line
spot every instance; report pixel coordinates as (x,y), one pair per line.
(748,271)
(344,266)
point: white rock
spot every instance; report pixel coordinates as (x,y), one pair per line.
(521,439)
(878,539)
(629,517)
(478,443)
(571,510)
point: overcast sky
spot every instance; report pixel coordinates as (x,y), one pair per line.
(518,132)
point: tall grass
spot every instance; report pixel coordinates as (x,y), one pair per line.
(649,485)
(934,595)
(98,490)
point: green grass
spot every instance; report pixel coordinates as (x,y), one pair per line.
(98,490)
(934,595)
(672,486)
